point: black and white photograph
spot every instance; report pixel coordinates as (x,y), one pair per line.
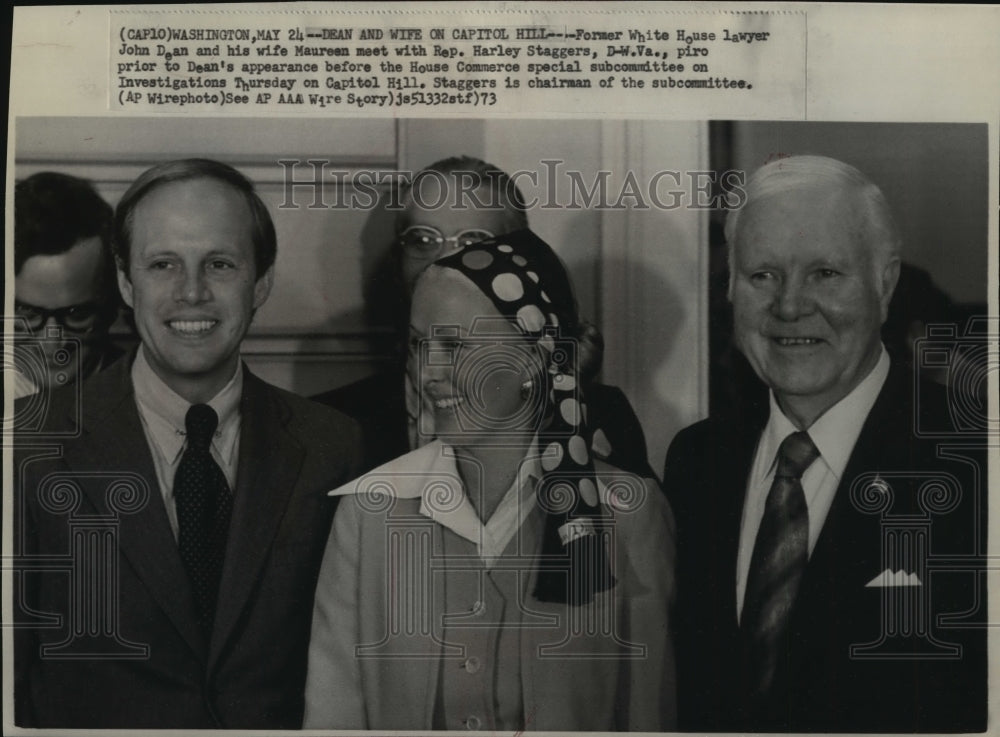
(569,418)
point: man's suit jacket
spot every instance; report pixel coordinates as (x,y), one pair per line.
(820,685)
(378,404)
(160,670)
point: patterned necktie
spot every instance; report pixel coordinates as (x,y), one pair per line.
(204,506)
(779,558)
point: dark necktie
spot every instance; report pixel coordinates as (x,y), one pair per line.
(779,558)
(204,506)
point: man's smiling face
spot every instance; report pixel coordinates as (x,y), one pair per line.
(808,297)
(193,283)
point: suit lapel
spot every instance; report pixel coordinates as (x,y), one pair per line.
(269,462)
(112,438)
(848,533)
(848,550)
(735,472)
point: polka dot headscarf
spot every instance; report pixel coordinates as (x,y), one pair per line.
(528,285)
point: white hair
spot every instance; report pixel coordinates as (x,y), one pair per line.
(876,225)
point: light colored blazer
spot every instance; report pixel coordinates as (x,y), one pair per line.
(376,646)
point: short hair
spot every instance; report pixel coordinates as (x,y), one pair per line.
(265,244)
(877,226)
(503,189)
(53,212)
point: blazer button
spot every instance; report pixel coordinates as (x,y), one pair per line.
(472,665)
(473,723)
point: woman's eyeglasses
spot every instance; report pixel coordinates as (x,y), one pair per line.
(81,318)
(425,240)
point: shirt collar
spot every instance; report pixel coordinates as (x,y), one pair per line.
(836,431)
(431,473)
(517,503)
(451,508)
(461,518)
(165,409)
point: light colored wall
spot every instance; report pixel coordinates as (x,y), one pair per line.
(654,267)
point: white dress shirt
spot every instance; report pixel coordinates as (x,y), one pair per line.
(162,412)
(834,434)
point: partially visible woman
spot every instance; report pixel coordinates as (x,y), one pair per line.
(499,577)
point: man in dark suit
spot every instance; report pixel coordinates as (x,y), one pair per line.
(827,545)
(171,517)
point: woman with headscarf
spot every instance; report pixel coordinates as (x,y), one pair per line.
(499,577)
(449,204)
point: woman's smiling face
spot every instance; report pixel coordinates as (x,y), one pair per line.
(468,362)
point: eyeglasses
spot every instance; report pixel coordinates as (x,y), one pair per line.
(425,240)
(81,318)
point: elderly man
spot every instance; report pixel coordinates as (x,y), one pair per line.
(805,528)
(209,486)
(64,278)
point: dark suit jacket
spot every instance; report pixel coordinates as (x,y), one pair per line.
(158,668)
(378,404)
(820,686)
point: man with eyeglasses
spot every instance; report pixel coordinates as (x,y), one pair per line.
(65,296)
(450,204)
